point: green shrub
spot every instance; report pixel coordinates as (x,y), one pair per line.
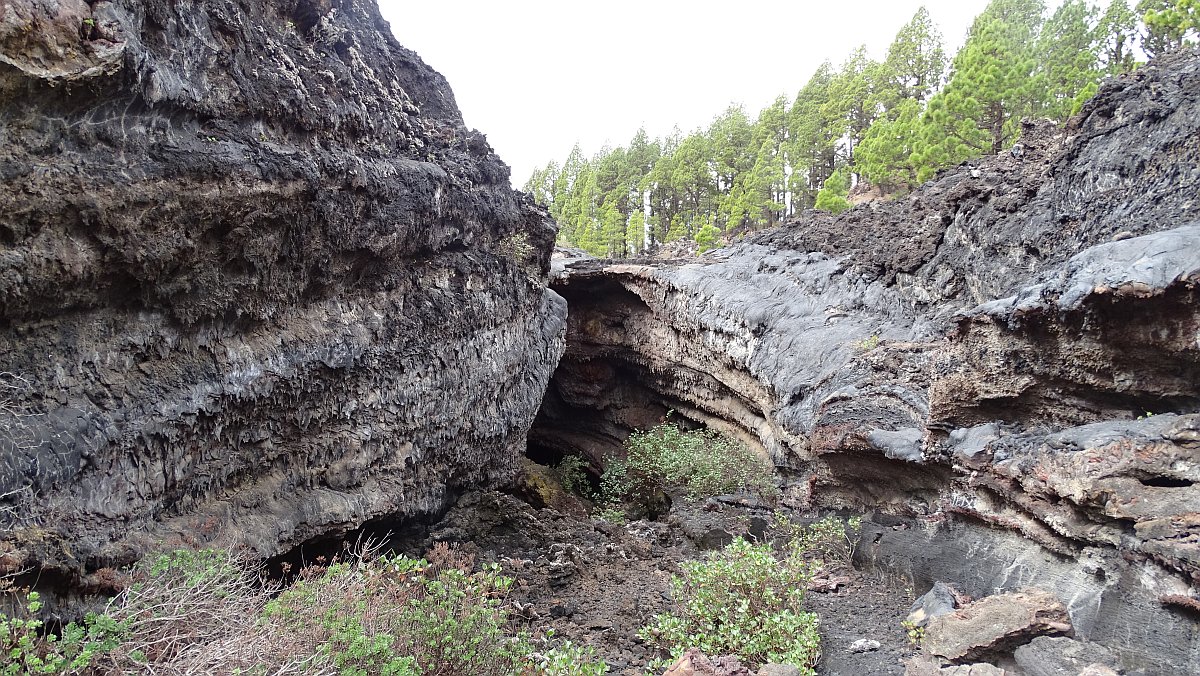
(572,474)
(26,650)
(612,514)
(396,616)
(869,343)
(208,611)
(568,659)
(697,463)
(831,540)
(741,601)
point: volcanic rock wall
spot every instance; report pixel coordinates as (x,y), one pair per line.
(1008,358)
(258,283)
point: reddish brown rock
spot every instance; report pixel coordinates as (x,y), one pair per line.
(995,625)
(695,663)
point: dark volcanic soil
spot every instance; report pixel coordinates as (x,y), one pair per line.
(596,582)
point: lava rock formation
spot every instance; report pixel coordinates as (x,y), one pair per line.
(258,283)
(1007,359)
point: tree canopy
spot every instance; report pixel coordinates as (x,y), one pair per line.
(886,124)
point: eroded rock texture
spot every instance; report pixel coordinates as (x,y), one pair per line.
(980,358)
(258,282)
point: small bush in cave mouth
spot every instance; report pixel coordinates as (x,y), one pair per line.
(742,601)
(572,474)
(698,463)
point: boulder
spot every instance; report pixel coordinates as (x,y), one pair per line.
(995,625)
(939,600)
(923,665)
(259,284)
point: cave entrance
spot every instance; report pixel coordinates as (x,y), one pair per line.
(599,392)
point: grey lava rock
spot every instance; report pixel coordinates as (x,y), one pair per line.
(995,625)
(258,283)
(864,645)
(939,600)
(1062,656)
(972,358)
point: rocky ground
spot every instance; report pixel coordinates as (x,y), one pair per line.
(597,582)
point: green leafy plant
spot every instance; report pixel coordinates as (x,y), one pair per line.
(27,649)
(741,601)
(568,659)
(397,616)
(697,463)
(612,514)
(572,474)
(829,540)
(869,343)
(207,611)
(916,635)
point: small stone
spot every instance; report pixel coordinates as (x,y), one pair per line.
(778,670)
(695,663)
(824,585)
(864,645)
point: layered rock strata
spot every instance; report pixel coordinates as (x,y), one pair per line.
(1006,359)
(258,282)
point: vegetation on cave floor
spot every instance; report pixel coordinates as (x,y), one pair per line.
(210,611)
(886,125)
(365,612)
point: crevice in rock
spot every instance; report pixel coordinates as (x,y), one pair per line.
(1165,482)
(389,534)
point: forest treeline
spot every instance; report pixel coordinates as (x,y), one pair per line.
(888,125)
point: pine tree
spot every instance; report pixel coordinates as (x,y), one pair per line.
(1167,23)
(916,60)
(884,157)
(694,181)
(1115,37)
(850,108)
(666,199)
(991,88)
(708,236)
(833,197)
(1068,65)
(635,233)
(755,196)
(729,145)
(541,184)
(811,146)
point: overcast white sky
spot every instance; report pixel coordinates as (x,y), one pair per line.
(537,76)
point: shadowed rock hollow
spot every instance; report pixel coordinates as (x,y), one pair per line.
(258,283)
